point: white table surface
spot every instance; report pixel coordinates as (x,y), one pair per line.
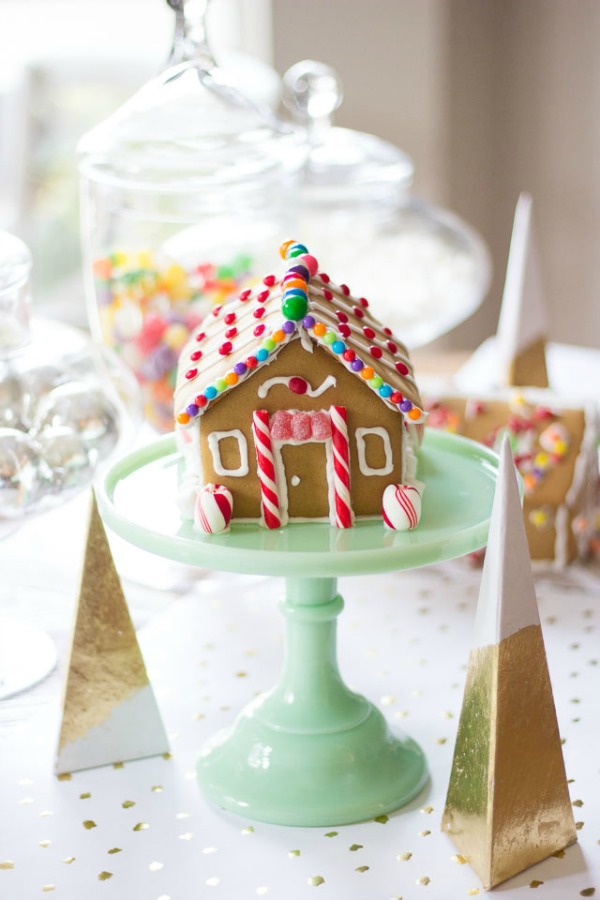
(143,831)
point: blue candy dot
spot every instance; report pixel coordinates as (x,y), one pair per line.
(210,392)
(338,346)
(262,354)
(385,390)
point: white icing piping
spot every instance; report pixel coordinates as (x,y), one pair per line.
(265,387)
(214,438)
(363,466)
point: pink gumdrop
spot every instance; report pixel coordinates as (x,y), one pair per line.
(321,426)
(309,261)
(281,426)
(152,331)
(301,426)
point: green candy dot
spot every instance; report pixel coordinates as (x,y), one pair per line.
(376,381)
(225,273)
(330,337)
(294,308)
(220,384)
(268,344)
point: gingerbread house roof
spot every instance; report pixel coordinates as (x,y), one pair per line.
(238,338)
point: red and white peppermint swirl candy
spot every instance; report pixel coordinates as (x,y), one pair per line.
(401,506)
(341,467)
(212,513)
(269,495)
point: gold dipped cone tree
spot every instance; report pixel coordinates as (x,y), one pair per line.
(109,709)
(508,804)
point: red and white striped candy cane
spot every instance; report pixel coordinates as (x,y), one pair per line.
(269,495)
(341,467)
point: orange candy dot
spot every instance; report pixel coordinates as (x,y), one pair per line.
(415,413)
(319,329)
(231,378)
(183,418)
(283,248)
(367,372)
(278,335)
(295,283)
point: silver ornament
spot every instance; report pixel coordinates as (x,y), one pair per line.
(36,384)
(23,473)
(84,409)
(67,458)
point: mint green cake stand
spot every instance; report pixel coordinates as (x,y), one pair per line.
(311,751)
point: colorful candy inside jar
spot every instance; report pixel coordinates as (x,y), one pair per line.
(148,305)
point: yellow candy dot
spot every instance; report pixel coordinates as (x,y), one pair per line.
(119,258)
(278,335)
(366,372)
(144,259)
(231,378)
(183,418)
(541,460)
(538,517)
(560,448)
(175,336)
(319,329)
(415,413)
(283,248)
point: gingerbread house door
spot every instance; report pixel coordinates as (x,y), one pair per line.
(305,467)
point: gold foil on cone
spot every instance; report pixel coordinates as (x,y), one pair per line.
(105,667)
(508,803)
(528,367)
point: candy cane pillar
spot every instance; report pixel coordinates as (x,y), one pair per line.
(344,516)
(269,496)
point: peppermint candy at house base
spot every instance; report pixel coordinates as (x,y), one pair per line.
(212,514)
(402,506)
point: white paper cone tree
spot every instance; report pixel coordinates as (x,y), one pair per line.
(109,709)
(508,803)
(522,326)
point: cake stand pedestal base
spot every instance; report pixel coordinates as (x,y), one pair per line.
(311,752)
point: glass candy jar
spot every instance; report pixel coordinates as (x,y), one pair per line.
(185,191)
(426,268)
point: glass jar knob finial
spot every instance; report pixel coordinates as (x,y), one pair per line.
(190,40)
(312,91)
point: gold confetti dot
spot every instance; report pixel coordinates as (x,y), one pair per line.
(425,833)
(85,796)
(355,847)
(88,824)
(167,755)
(579,825)
(118,765)
(157,788)
(577,802)
(7,864)
(248,830)
(382,819)
(331,834)
(293,853)
(588,892)
(241,674)
(213,882)
(316,880)
(404,857)
(115,850)
(69,859)
(535,884)
(441,740)
(473,892)
(127,804)
(66,776)
(388,700)
(187,836)
(424,880)
(459,858)
(447,714)
(45,844)
(104,876)
(141,826)
(156,866)
(47,888)
(362,869)
(427,809)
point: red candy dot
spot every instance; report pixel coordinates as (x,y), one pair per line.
(259,330)
(200,400)
(251,362)
(341,315)
(243,296)
(363,301)
(297,385)
(191,373)
(345,290)
(387,331)
(344,330)
(392,347)
(325,278)
(196,355)
(402,368)
(358,312)
(328,295)
(348,355)
(375,352)
(217,310)
(263,297)
(231,332)
(258,312)
(269,280)
(396,397)
(368,332)
(225,348)
(201,336)
(229,318)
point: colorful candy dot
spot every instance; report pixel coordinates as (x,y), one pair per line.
(229,318)
(259,329)
(405,406)
(201,336)
(327,294)
(319,328)
(338,346)
(244,295)
(200,401)
(278,335)
(196,355)
(300,270)
(297,385)
(210,392)
(310,262)
(308,321)
(231,332)
(268,344)
(262,354)
(330,337)
(240,368)
(385,391)
(387,331)
(324,277)
(345,290)
(220,384)
(358,312)
(349,355)
(269,280)
(415,413)
(375,351)
(402,368)
(345,330)
(342,317)
(192,410)
(263,297)
(292,281)
(356,365)
(289,327)
(363,302)
(231,378)
(294,305)
(251,362)
(368,332)
(259,312)
(217,310)
(183,418)
(392,347)
(295,250)
(396,397)
(367,373)
(225,348)
(191,373)
(283,248)
(375,382)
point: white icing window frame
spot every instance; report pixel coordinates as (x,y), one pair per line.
(364,467)
(215,438)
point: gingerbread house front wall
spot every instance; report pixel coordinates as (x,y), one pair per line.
(300,428)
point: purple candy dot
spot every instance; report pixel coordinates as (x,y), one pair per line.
(357,365)
(405,406)
(301,270)
(289,326)
(192,410)
(308,321)
(240,368)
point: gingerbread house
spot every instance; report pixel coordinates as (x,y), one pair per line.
(298,403)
